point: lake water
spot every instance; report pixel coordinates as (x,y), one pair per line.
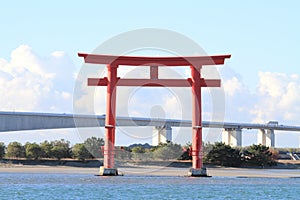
(86,186)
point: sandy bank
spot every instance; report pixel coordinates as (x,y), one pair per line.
(157,171)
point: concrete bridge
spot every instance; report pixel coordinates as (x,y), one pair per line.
(162,128)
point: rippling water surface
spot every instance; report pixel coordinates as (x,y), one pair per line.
(85,186)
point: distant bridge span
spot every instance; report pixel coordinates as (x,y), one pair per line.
(20,121)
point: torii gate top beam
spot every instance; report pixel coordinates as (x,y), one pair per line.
(154,61)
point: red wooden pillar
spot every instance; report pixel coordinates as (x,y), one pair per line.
(110,121)
(196,118)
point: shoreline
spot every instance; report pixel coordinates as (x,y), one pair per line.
(139,169)
(94,163)
(152,171)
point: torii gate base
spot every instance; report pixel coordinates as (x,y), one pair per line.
(198,172)
(112,81)
(108,171)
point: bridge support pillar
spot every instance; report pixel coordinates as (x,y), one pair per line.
(161,135)
(232,137)
(266,137)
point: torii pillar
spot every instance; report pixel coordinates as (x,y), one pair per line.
(195,82)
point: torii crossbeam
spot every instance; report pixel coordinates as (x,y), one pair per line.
(112,81)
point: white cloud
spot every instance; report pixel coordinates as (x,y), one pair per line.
(58,54)
(232,86)
(65,95)
(279,97)
(29,82)
(272,84)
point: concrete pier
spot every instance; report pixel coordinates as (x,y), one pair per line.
(161,134)
(232,136)
(266,137)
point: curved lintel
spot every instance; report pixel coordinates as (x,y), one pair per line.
(154,61)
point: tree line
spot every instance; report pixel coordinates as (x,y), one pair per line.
(254,155)
(57,149)
(216,154)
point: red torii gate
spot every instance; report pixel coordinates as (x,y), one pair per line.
(112,81)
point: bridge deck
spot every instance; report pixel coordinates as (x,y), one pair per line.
(18,121)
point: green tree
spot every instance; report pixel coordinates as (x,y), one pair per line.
(61,149)
(15,150)
(33,150)
(224,155)
(186,155)
(168,151)
(2,150)
(80,152)
(47,149)
(123,153)
(138,152)
(138,149)
(93,145)
(259,155)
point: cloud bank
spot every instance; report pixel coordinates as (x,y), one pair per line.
(276,97)
(29,82)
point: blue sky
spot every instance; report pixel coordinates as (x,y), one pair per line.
(260,80)
(254,32)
